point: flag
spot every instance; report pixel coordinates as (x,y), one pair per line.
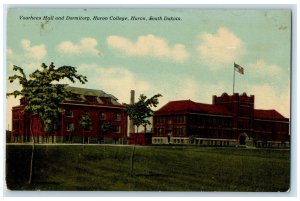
(239,68)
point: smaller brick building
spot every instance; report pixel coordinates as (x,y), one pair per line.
(109,122)
(229,120)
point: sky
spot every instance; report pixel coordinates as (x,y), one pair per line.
(189,57)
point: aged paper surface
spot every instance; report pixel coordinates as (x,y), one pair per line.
(183,54)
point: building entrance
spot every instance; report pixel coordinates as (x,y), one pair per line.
(169,137)
(242,138)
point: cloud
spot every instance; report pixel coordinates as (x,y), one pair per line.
(267,97)
(221,48)
(85,46)
(114,80)
(189,88)
(261,68)
(149,45)
(36,52)
(27,67)
(186,88)
(31,67)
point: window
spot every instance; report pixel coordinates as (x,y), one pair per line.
(117,129)
(179,131)
(160,131)
(170,125)
(70,127)
(160,120)
(117,116)
(91,99)
(76,97)
(102,116)
(69,113)
(201,122)
(106,100)
(179,119)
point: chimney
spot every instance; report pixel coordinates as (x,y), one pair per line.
(131,126)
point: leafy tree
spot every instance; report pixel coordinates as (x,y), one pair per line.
(140,111)
(71,129)
(106,128)
(43,95)
(86,123)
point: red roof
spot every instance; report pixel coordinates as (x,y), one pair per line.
(267,114)
(188,106)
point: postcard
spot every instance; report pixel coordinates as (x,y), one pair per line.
(148,99)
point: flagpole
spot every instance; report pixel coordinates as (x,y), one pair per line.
(233,79)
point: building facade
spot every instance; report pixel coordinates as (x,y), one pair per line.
(107,118)
(229,120)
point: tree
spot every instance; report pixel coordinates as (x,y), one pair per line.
(71,129)
(43,95)
(86,124)
(140,111)
(106,127)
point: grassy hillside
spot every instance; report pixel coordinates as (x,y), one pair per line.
(163,168)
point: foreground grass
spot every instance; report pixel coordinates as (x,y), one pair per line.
(157,168)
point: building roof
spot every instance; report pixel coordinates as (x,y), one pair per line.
(267,114)
(188,106)
(98,94)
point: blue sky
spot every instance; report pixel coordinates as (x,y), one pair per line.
(191,58)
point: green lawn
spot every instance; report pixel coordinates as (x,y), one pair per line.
(156,168)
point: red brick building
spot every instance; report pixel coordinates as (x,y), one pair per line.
(229,120)
(102,108)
